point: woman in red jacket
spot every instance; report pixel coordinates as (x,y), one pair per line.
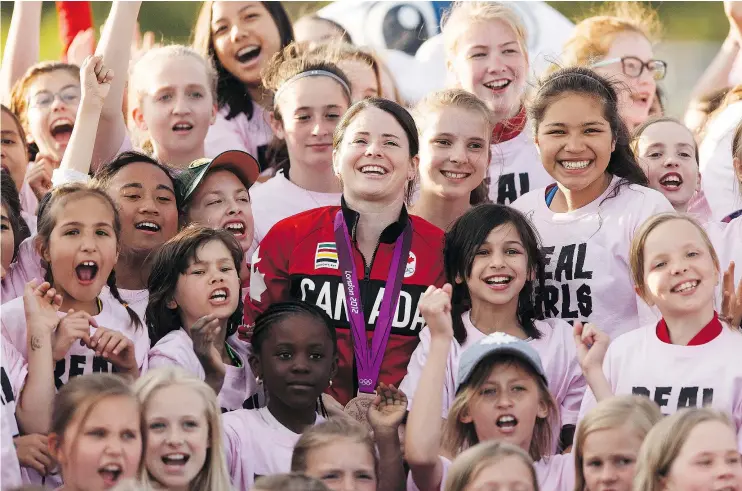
(367,262)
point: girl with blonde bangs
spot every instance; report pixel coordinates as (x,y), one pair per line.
(618,44)
(607,442)
(692,449)
(455,133)
(337,451)
(490,464)
(181,421)
(486,55)
(363,69)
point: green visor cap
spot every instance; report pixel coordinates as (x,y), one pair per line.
(240,163)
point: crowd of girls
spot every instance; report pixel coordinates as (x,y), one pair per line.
(249,264)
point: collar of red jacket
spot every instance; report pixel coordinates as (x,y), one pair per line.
(509,128)
(388,236)
(709,332)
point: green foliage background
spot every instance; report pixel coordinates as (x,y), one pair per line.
(174,21)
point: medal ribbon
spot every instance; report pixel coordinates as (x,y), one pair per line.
(368,362)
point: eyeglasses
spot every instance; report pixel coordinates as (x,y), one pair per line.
(634,67)
(43,99)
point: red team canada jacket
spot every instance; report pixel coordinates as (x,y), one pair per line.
(298,259)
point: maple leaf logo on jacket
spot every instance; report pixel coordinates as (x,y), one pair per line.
(257,279)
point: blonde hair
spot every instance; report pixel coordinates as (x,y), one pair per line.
(592,38)
(19,92)
(458,98)
(458,436)
(136,89)
(288,482)
(665,441)
(638,412)
(436,101)
(636,253)
(474,460)
(329,432)
(462,14)
(213,476)
(80,395)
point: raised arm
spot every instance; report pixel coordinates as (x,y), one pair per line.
(95,81)
(22,45)
(423,431)
(115,47)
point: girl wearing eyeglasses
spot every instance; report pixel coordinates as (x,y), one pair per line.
(618,45)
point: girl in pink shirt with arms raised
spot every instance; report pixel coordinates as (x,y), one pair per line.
(493,259)
(502,394)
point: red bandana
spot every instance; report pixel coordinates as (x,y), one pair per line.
(709,332)
(509,128)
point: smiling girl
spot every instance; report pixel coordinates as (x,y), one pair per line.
(485,44)
(455,133)
(240,38)
(692,450)
(675,268)
(586,220)
(619,46)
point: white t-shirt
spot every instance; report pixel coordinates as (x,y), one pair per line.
(587,256)
(718,180)
(239,133)
(13,370)
(80,360)
(556,348)
(729,248)
(257,445)
(515,169)
(555,473)
(676,376)
(279,198)
(11,472)
(176,348)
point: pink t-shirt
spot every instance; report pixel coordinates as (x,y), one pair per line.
(515,168)
(257,445)
(29,202)
(176,348)
(676,376)
(13,370)
(555,473)
(26,267)
(11,472)
(587,256)
(279,198)
(239,133)
(556,348)
(79,359)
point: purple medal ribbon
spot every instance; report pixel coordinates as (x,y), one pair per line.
(368,363)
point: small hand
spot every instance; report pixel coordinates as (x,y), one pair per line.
(73,327)
(114,347)
(435,307)
(204,335)
(39,174)
(731,304)
(388,409)
(41,304)
(95,80)
(33,452)
(592,344)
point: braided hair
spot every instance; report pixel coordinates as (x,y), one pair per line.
(279,311)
